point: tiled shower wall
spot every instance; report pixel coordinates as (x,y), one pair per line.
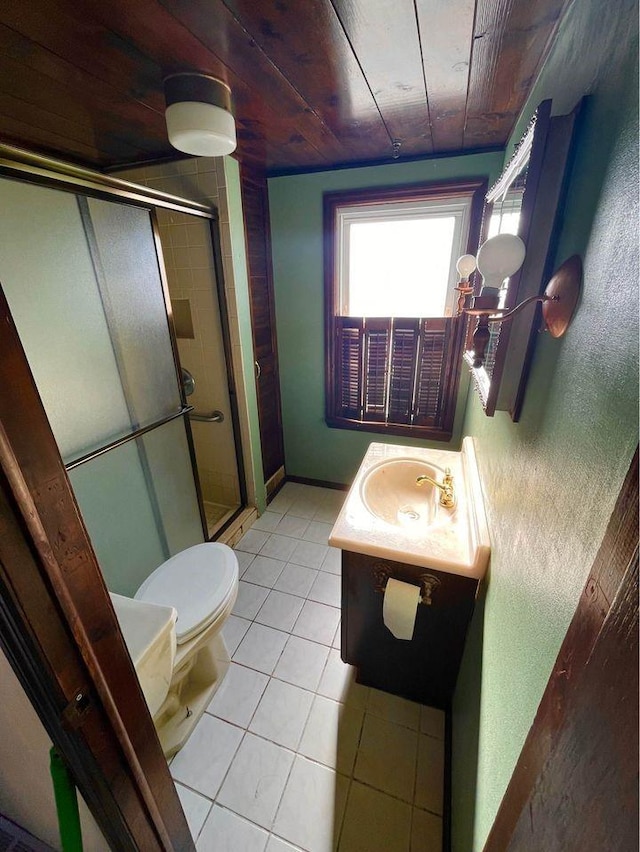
(191,276)
(187,253)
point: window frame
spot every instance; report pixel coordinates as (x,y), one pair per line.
(455,327)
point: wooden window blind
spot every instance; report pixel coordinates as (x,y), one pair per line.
(396,373)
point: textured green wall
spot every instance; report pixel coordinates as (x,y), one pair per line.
(551,480)
(311,448)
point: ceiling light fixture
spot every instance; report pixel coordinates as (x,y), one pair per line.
(199,115)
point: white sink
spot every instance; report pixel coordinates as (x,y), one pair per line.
(390,492)
(150,636)
(387,514)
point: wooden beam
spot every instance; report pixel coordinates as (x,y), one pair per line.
(386,42)
(446,36)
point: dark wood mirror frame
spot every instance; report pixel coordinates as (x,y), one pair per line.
(546,147)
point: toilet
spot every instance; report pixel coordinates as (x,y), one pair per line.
(190,596)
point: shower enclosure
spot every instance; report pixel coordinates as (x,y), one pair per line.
(84,279)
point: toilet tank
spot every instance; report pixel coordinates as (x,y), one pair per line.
(150,636)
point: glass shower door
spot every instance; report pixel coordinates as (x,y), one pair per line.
(196,289)
(82,280)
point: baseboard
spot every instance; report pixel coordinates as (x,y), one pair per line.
(238,526)
(275,482)
(319,483)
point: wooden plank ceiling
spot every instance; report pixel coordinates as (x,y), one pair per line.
(316,83)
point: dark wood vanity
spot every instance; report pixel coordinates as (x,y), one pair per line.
(424,668)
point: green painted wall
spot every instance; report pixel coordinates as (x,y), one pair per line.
(311,448)
(551,480)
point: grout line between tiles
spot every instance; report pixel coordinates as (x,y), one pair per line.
(209,812)
(275,816)
(192,789)
(344,813)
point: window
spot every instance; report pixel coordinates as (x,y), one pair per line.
(397,259)
(393,344)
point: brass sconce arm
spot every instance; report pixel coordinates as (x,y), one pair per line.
(505,314)
(559,301)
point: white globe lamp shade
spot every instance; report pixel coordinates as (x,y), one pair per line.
(499,258)
(198,115)
(201,129)
(465,266)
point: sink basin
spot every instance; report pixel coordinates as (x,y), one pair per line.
(388,516)
(390,492)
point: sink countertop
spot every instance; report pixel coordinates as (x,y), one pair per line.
(456,541)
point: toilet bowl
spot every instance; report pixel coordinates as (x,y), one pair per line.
(201,585)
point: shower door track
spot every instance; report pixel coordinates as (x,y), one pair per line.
(47,171)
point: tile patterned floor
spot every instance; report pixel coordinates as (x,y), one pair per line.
(292,754)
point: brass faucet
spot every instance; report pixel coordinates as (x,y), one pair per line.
(448,495)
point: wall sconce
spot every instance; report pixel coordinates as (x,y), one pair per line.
(466,266)
(498,259)
(199,115)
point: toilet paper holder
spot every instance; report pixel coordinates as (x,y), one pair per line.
(428,583)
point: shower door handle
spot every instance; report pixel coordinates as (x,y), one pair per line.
(214,417)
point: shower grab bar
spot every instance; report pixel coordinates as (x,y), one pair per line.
(214,417)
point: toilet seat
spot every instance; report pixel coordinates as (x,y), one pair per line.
(198,582)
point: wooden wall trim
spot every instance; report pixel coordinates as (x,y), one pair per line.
(613,567)
(255,203)
(74,641)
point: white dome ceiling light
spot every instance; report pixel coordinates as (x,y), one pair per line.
(199,115)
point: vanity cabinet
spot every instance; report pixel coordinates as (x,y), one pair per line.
(424,668)
(390,527)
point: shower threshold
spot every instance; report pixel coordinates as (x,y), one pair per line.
(217,515)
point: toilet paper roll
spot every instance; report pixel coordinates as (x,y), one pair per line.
(400,607)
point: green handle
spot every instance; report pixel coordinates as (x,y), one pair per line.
(66,804)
